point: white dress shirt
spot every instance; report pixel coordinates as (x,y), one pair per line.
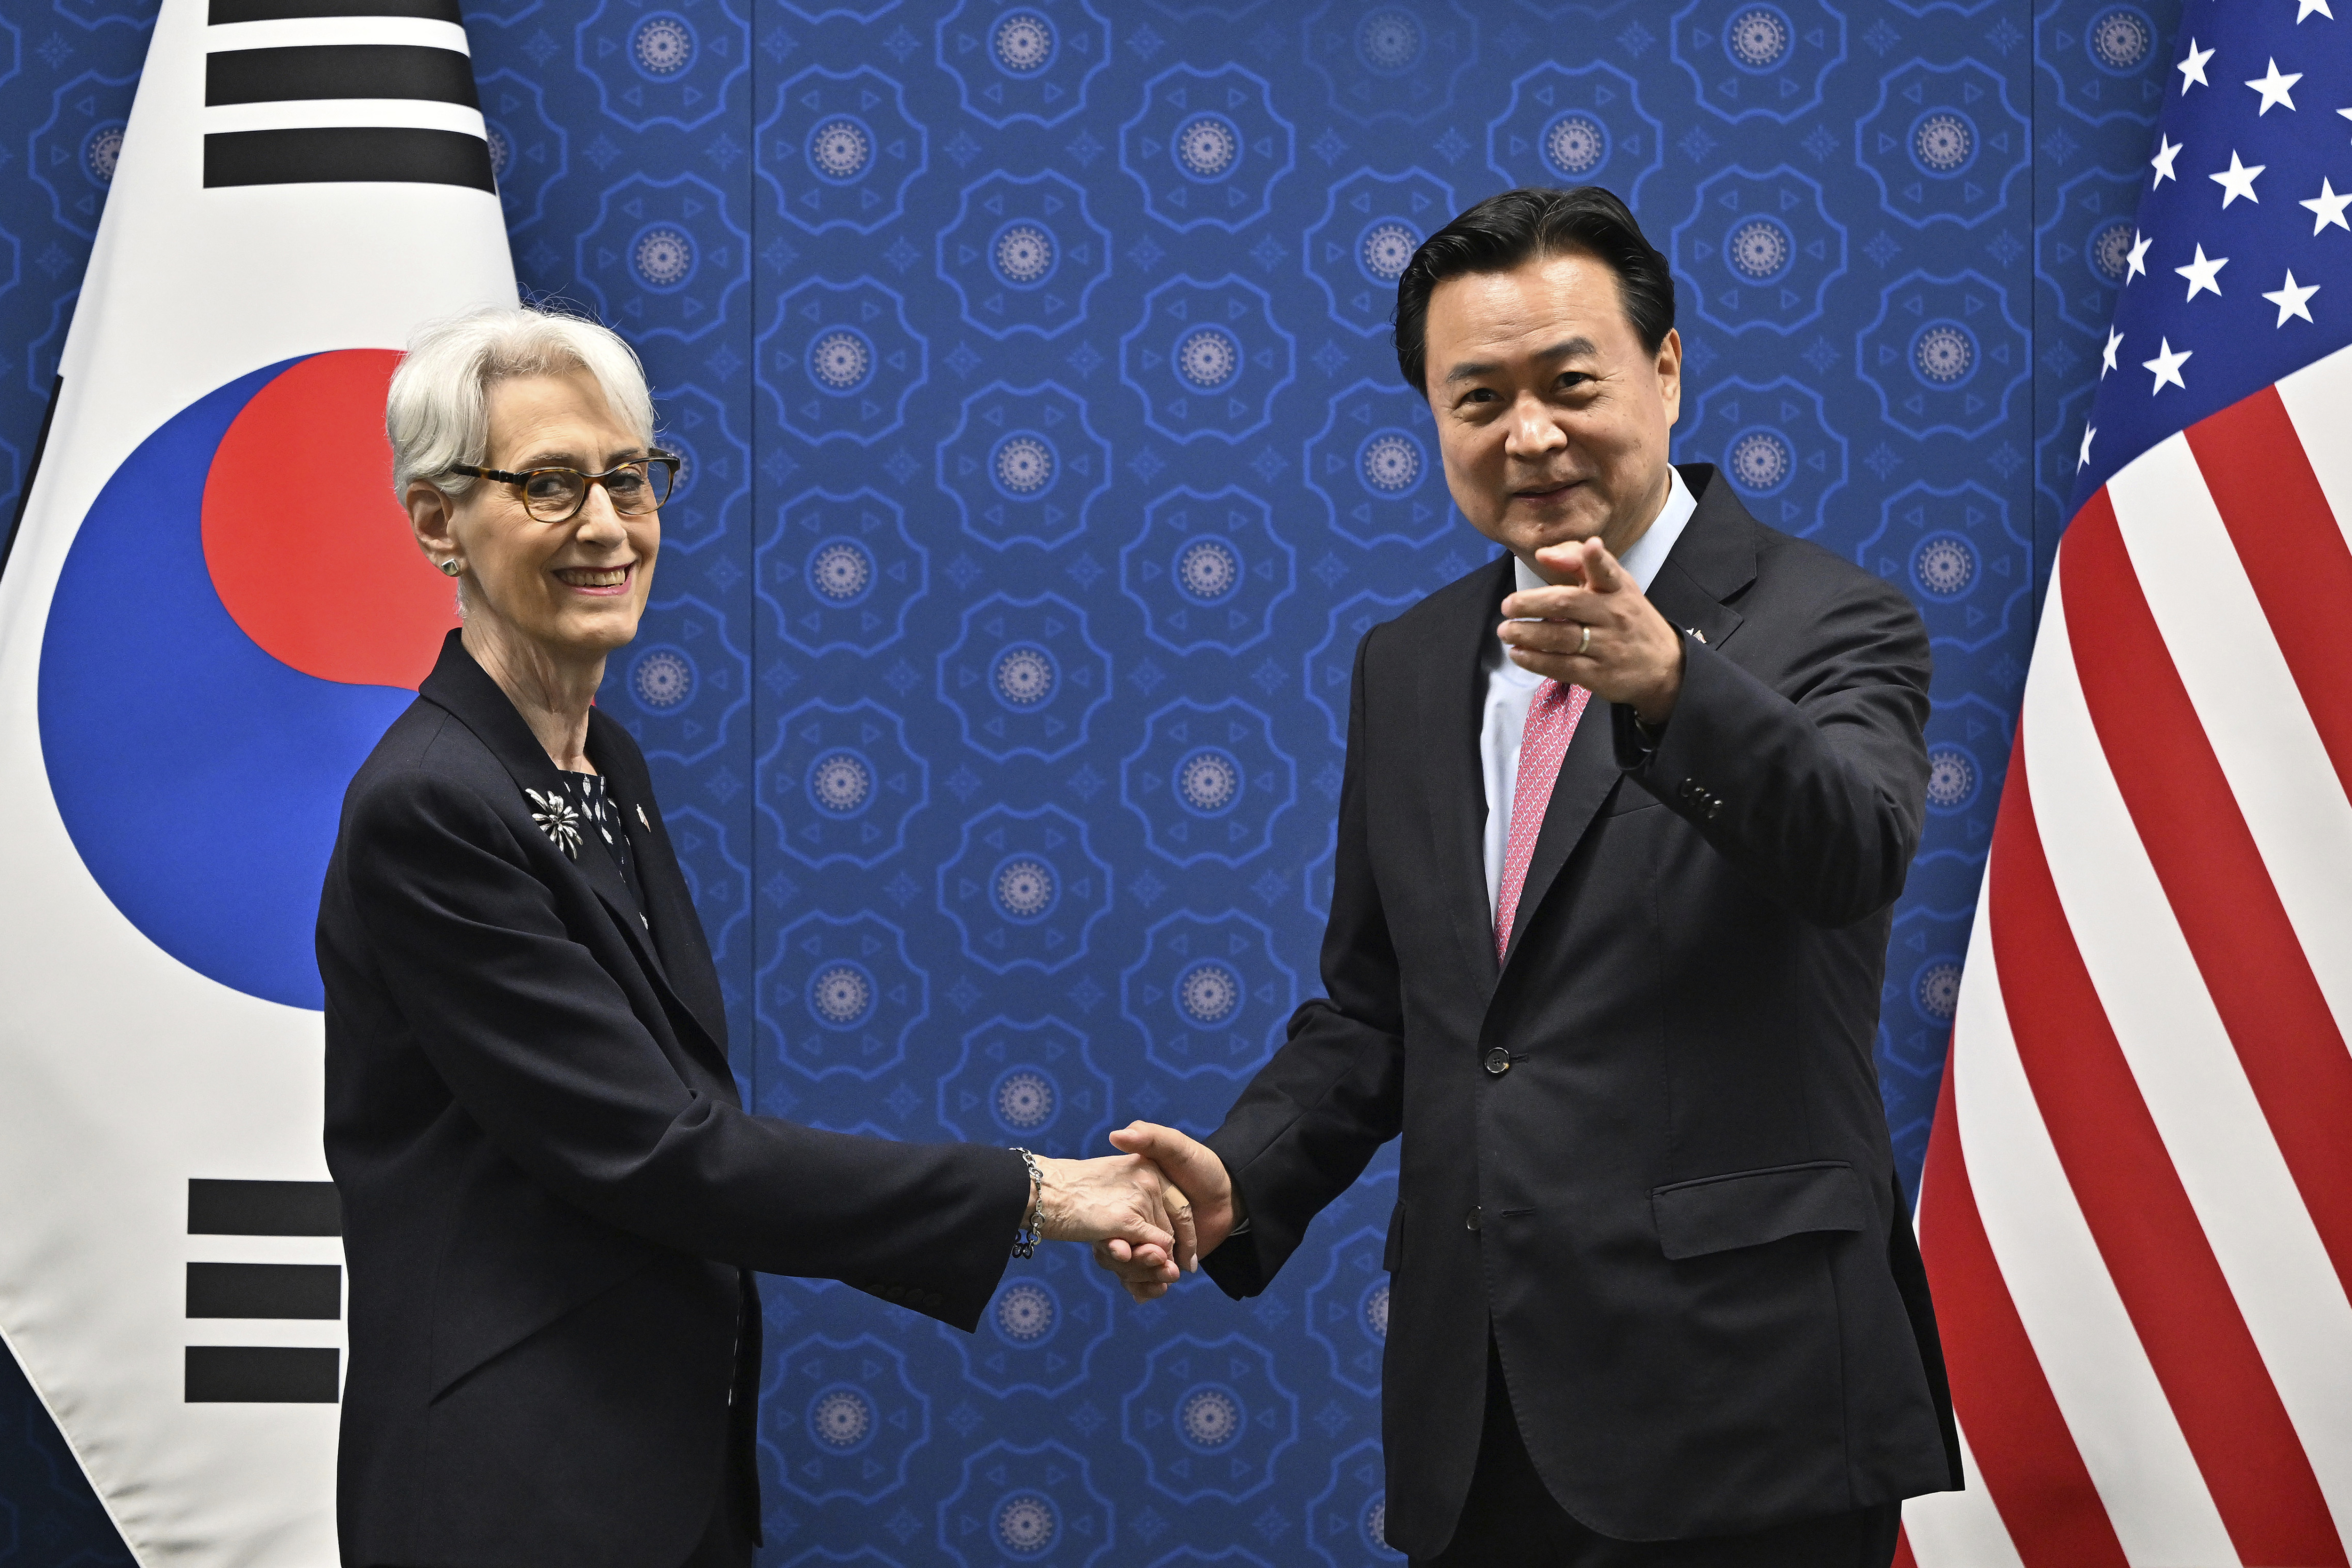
(1510,690)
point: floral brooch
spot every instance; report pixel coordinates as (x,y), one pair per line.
(557,819)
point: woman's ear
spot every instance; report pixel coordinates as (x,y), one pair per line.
(430,514)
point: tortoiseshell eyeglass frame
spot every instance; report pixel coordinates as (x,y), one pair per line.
(667,462)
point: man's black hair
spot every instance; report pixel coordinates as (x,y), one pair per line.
(1502,232)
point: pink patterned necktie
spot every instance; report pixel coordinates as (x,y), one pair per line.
(1551,723)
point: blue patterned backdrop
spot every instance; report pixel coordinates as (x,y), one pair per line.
(1045,460)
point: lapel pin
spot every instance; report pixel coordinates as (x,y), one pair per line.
(1697,633)
(555,818)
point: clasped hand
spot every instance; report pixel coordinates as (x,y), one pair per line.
(1149,1211)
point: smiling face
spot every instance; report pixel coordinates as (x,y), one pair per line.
(571,591)
(1551,416)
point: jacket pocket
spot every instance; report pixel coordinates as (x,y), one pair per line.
(1392,1254)
(1749,1208)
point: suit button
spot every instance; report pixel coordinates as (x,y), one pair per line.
(1498,1062)
(1471,1221)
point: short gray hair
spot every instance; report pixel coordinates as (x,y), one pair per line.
(438,411)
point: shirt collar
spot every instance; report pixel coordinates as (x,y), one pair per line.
(1650,551)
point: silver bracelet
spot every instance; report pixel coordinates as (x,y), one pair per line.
(1025,1240)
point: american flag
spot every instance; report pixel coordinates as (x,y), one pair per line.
(2137,1209)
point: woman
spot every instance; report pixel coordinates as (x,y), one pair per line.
(551,1196)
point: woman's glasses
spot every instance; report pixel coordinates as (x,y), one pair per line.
(556,495)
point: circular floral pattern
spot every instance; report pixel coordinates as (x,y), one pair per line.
(1023,888)
(1576,144)
(1023,255)
(1376,1520)
(1942,142)
(661,678)
(1025,674)
(1209,781)
(1026,1313)
(502,150)
(1208,569)
(1943,353)
(2120,40)
(840,149)
(1024,1099)
(1938,991)
(2109,249)
(1757,39)
(1207,146)
(1951,778)
(662,46)
(840,570)
(1944,566)
(1388,39)
(1210,1418)
(1759,251)
(1760,461)
(841,995)
(1374,1315)
(840,361)
(1022,463)
(1386,249)
(1390,463)
(1209,993)
(102,150)
(841,1419)
(1208,358)
(663,257)
(1023,43)
(840,782)
(1025,1525)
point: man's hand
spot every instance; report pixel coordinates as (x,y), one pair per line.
(1597,631)
(1198,1173)
(1123,1201)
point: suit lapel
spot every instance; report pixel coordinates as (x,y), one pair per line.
(1452,706)
(465,690)
(678,952)
(1712,562)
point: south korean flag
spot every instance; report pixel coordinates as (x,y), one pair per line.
(209,610)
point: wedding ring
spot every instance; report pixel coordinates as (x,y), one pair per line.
(1585,641)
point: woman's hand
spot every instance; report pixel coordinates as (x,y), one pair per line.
(1123,1201)
(1194,1169)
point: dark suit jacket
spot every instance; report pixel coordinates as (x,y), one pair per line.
(1673,1207)
(551,1191)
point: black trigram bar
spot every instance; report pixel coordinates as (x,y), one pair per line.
(263,1375)
(372,153)
(339,71)
(226,11)
(265,1290)
(263,1208)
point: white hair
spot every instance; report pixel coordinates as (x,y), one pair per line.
(438,411)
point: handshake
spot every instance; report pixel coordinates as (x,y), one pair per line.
(1150,1212)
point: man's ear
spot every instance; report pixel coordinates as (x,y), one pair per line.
(1670,375)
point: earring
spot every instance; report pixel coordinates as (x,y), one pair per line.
(451,568)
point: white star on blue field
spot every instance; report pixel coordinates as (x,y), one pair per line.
(2242,269)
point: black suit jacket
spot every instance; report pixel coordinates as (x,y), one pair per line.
(1673,1207)
(551,1191)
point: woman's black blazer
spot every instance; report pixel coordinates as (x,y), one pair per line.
(551,1189)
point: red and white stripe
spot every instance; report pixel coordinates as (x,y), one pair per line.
(2137,1209)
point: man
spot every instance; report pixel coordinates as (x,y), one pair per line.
(1624,813)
